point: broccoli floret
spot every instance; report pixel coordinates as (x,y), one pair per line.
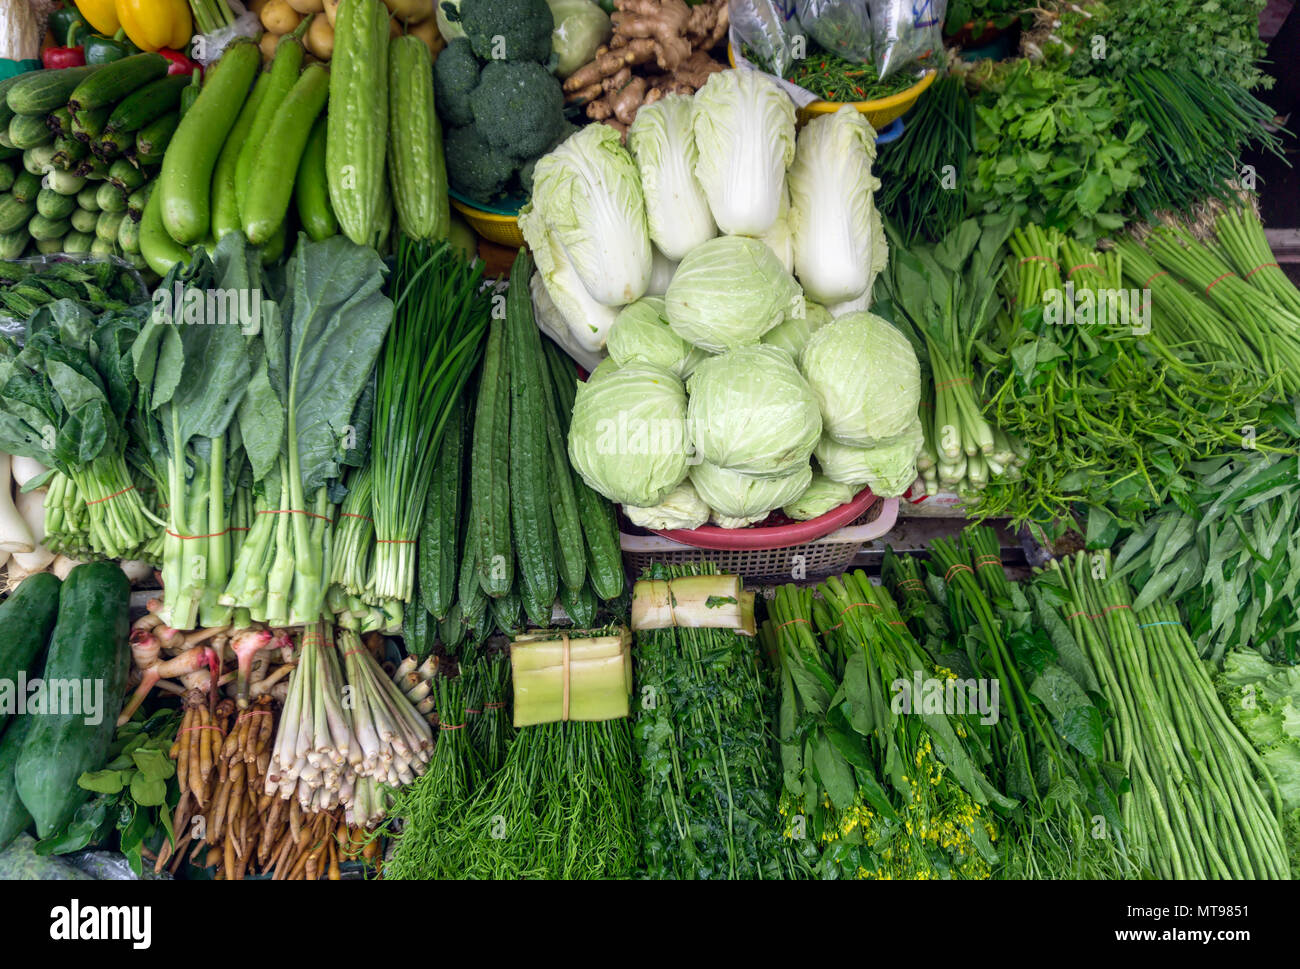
(475,168)
(526,173)
(512,30)
(518,107)
(455,75)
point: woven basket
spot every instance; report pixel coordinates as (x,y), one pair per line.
(830,555)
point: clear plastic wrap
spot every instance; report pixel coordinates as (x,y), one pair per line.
(842,27)
(208,48)
(14,326)
(767,28)
(905,31)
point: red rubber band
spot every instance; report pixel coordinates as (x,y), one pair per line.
(252,713)
(203,726)
(795,619)
(957,566)
(1147,284)
(186,538)
(1083,265)
(1264,265)
(494,706)
(450,726)
(1217,281)
(113,495)
(293,511)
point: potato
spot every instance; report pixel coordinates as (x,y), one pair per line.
(280,18)
(331,10)
(412,11)
(320,38)
(256,6)
(307,6)
(427,31)
(267,44)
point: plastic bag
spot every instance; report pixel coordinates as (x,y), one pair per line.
(842,27)
(767,28)
(14,327)
(208,48)
(905,31)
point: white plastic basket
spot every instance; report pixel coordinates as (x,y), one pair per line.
(830,555)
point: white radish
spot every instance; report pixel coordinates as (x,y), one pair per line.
(62,565)
(31,506)
(15,533)
(25,469)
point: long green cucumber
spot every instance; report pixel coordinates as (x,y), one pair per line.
(88,647)
(157,246)
(311,190)
(283,76)
(225,200)
(147,104)
(269,188)
(116,81)
(185,185)
(40,92)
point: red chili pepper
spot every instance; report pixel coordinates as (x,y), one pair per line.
(859,90)
(57,58)
(178,63)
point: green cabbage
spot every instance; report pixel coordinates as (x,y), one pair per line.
(741,496)
(627,438)
(683,508)
(728,292)
(663,145)
(751,411)
(602,370)
(831,193)
(866,379)
(821,496)
(587,193)
(744,132)
(580,27)
(792,333)
(641,332)
(891,468)
(842,463)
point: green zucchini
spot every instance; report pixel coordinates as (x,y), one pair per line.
(15,213)
(416,168)
(490,467)
(269,188)
(13,244)
(7,176)
(159,249)
(28,131)
(152,140)
(78,242)
(47,230)
(41,92)
(225,199)
(89,642)
(52,205)
(107,224)
(441,525)
(281,79)
(184,191)
(148,103)
(312,191)
(86,198)
(356,143)
(14,818)
(27,617)
(117,80)
(111,198)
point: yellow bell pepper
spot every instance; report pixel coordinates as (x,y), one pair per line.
(153,24)
(100,14)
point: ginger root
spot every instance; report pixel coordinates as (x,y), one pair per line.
(667,39)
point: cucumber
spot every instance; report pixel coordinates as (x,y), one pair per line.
(65,183)
(269,188)
(137,200)
(52,205)
(158,248)
(13,244)
(490,467)
(53,244)
(111,198)
(6,112)
(225,200)
(78,242)
(111,144)
(92,168)
(441,524)
(107,225)
(60,122)
(7,176)
(41,92)
(151,141)
(530,473)
(27,618)
(186,180)
(416,168)
(125,176)
(312,191)
(117,80)
(28,131)
(38,161)
(281,79)
(47,230)
(89,125)
(6,145)
(26,186)
(191,92)
(86,198)
(68,152)
(15,213)
(89,642)
(14,818)
(103,247)
(148,103)
(128,235)
(357,141)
